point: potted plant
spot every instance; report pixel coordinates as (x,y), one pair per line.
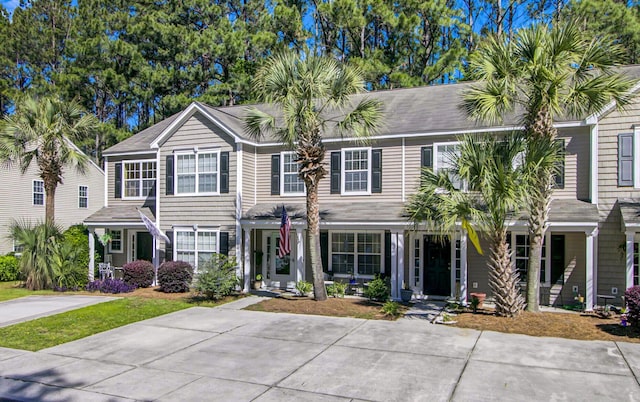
(406,293)
(477,300)
(257,283)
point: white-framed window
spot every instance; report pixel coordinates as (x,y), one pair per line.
(195,246)
(445,154)
(356,253)
(115,245)
(139,179)
(520,256)
(291,183)
(198,172)
(18,248)
(38,192)
(83,197)
(356,171)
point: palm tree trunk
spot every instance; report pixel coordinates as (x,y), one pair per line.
(503,279)
(49,200)
(313,236)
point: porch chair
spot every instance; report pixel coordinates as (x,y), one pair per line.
(106,270)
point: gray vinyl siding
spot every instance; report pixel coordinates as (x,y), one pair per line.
(611,259)
(249,174)
(477,270)
(16,201)
(391,175)
(574,271)
(210,211)
(111,174)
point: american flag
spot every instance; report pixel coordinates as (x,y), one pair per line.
(284,247)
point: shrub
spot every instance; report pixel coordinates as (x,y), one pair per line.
(391,308)
(138,273)
(110,286)
(68,273)
(9,268)
(377,290)
(175,276)
(38,242)
(217,278)
(632,297)
(336,289)
(304,288)
(77,236)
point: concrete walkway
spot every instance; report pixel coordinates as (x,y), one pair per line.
(226,354)
(32,307)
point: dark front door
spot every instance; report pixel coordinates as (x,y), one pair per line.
(144,246)
(557,258)
(437,266)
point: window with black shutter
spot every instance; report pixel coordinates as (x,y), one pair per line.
(625,160)
(275,174)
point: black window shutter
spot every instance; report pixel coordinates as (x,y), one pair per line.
(169,175)
(168,247)
(275,174)
(335,172)
(625,159)
(387,253)
(426,159)
(376,171)
(324,250)
(118,181)
(559,174)
(224,243)
(224,172)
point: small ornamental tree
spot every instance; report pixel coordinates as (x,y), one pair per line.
(138,273)
(175,276)
(632,297)
(217,277)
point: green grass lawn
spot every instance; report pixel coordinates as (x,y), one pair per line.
(66,327)
(8,291)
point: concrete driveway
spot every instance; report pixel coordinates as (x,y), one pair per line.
(32,307)
(225,354)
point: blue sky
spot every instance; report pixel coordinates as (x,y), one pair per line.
(10,4)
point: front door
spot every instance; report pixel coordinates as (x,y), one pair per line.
(144,246)
(437,266)
(280,271)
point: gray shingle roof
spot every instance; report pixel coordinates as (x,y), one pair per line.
(428,109)
(121,214)
(630,210)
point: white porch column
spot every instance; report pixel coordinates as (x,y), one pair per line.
(590,268)
(246,263)
(299,254)
(400,253)
(629,272)
(463,268)
(395,294)
(156,260)
(92,253)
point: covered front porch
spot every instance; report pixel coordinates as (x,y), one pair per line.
(125,236)
(358,241)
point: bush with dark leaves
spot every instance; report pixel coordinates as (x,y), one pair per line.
(110,286)
(175,276)
(632,297)
(138,273)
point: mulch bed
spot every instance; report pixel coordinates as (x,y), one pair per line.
(335,307)
(580,326)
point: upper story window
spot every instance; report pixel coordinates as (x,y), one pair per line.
(197,173)
(292,184)
(83,196)
(445,159)
(356,171)
(38,192)
(139,179)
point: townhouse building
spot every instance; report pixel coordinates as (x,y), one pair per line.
(211,188)
(23,199)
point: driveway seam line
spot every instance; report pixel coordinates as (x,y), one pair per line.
(464,367)
(633,374)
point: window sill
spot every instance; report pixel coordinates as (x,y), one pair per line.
(195,194)
(355,193)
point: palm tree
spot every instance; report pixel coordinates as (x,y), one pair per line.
(543,73)
(41,130)
(312,96)
(494,171)
(38,247)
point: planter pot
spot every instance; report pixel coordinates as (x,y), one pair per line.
(257,285)
(480,296)
(405,295)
